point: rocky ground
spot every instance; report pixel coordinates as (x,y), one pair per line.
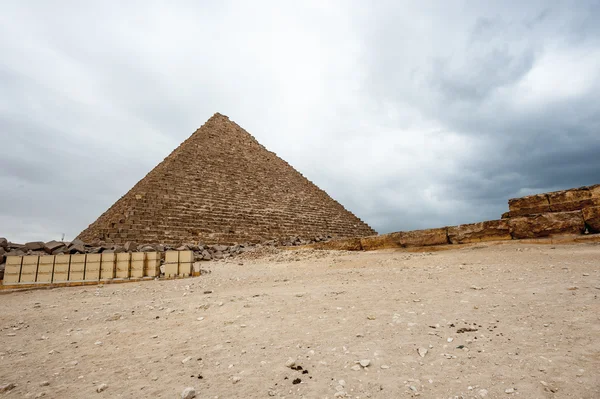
(495,321)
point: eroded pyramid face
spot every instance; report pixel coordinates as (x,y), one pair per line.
(221,185)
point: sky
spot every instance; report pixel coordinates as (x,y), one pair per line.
(412,114)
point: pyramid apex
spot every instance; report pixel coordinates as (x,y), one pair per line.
(219,115)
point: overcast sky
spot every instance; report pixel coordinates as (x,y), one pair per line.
(412,114)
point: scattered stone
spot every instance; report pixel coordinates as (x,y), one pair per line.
(188,393)
(509,390)
(236,379)
(297,381)
(384,366)
(365,363)
(483,393)
(290,363)
(35,246)
(422,351)
(44,383)
(355,368)
(187,359)
(465,329)
(7,387)
(101,388)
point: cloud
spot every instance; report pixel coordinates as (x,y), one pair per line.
(411,115)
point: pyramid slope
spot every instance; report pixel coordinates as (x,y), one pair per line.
(222,186)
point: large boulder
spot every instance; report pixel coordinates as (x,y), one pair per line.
(372,243)
(3,243)
(130,246)
(491,230)
(570,200)
(547,224)
(591,216)
(35,246)
(423,238)
(348,244)
(529,205)
(52,246)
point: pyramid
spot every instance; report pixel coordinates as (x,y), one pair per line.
(222,186)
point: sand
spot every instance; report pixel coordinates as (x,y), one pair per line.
(493,321)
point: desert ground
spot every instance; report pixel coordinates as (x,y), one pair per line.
(495,321)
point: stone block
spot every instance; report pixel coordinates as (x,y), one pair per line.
(12,270)
(591,216)
(130,246)
(570,200)
(3,243)
(77,268)
(138,260)
(61,268)
(45,269)
(384,241)
(348,244)
(92,267)
(152,264)
(52,246)
(108,265)
(123,268)
(529,205)
(29,269)
(423,238)
(491,230)
(34,246)
(547,224)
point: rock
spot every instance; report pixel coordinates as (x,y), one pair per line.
(570,200)
(529,205)
(7,387)
(591,216)
(290,363)
(188,393)
(35,246)
(422,351)
(384,367)
(130,246)
(52,246)
(15,252)
(365,363)
(482,393)
(218,255)
(547,224)
(3,243)
(348,244)
(236,379)
(491,230)
(101,388)
(147,248)
(76,249)
(355,367)
(118,249)
(206,255)
(509,390)
(187,359)
(76,242)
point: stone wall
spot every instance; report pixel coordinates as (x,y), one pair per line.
(560,213)
(222,186)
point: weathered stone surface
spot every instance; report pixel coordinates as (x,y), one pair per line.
(130,246)
(570,200)
(391,240)
(221,186)
(34,246)
(505,215)
(3,243)
(595,191)
(592,218)
(347,244)
(52,246)
(531,204)
(76,249)
(76,242)
(547,224)
(491,230)
(423,238)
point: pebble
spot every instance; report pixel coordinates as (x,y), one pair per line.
(98,343)
(290,363)
(187,359)
(44,383)
(483,393)
(422,351)
(385,367)
(73,363)
(236,379)
(450,339)
(509,390)
(101,388)
(188,393)
(365,362)
(342,383)
(586,274)
(339,394)
(355,368)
